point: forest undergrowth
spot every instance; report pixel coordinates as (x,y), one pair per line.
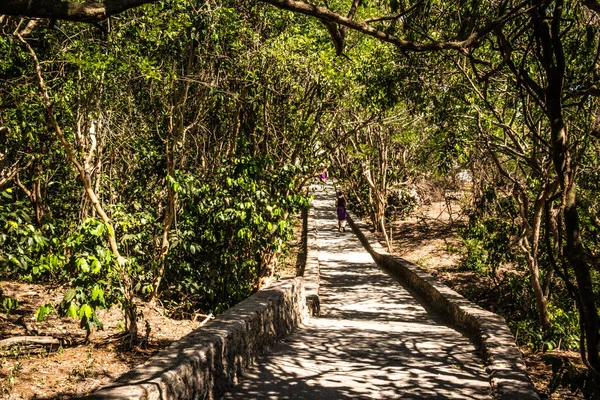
(161,151)
(74,367)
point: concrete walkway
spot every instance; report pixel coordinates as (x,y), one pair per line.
(374,340)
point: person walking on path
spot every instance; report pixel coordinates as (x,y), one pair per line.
(340,203)
(323,174)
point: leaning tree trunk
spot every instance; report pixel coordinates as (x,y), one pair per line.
(529,243)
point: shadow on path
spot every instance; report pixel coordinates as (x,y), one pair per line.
(373,339)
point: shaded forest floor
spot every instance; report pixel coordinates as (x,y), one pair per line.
(75,368)
(429,238)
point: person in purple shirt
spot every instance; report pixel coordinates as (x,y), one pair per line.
(323,174)
(340,204)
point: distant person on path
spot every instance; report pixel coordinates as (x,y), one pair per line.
(323,174)
(340,203)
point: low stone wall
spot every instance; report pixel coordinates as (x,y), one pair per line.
(311,268)
(207,362)
(505,365)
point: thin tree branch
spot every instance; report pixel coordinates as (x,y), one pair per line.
(393,17)
(68,11)
(7,174)
(328,16)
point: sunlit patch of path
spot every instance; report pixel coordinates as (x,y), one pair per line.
(373,340)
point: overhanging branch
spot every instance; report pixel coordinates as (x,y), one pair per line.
(58,9)
(328,16)
(93,12)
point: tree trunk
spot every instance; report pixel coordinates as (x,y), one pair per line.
(35,193)
(553,61)
(129,307)
(174,158)
(575,253)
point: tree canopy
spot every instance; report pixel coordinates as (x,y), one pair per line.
(161,148)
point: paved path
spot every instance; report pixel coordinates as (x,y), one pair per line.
(374,340)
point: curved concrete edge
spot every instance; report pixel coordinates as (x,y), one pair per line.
(311,269)
(208,361)
(508,375)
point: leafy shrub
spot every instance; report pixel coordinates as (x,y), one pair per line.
(234,225)
(563,334)
(401,202)
(21,244)
(7,304)
(565,331)
(80,259)
(476,258)
(488,244)
(94,279)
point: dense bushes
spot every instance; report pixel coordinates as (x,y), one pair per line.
(233,226)
(169,173)
(491,250)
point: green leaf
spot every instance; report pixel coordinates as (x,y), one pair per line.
(43,311)
(96,266)
(70,295)
(98,230)
(86,311)
(82,264)
(97,293)
(72,310)
(9,303)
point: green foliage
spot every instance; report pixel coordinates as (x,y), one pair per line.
(377,76)
(8,304)
(488,244)
(94,277)
(401,202)
(229,106)
(476,257)
(564,332)
(43,311)
(530,333)
(25,251)
(80,259)
(229,232)
(172,112)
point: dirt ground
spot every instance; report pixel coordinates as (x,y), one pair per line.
(75,368)
(429,238)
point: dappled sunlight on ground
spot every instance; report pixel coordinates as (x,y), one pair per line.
(373,339)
